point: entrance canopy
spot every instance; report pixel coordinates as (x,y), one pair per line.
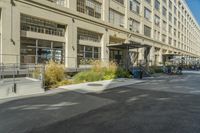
(130,45)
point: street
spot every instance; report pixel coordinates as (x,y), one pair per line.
(164,104)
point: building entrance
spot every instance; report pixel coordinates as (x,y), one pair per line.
(117,56)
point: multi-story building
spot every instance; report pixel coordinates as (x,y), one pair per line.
(74,32)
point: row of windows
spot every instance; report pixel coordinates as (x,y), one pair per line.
(93,8)
(58,2)
(89,7)
(34,24)
(87,54)
(88,35)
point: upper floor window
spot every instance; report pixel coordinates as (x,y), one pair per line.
(164,11)
(147,13)
(148,1)
(170,17)
(174,1)
(147,31)
(89,7)
(116,18)
(120,1)
(175,10)
(170,29)
(157,20)
(58,2)
(164,25)
(135,6)
(170,4)
(88,35)
(157,5)
(170,41)
(33,24)
(134,26)
(164,38)
(164,1)
(175,21)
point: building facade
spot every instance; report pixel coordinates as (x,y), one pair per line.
(75,32)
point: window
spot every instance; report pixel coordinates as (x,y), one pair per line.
(164,1)
(170,41)
(170,29)
(157,5)
(170,4)
(163,38)
(58,2)
(33,24)
(116,18)
(88,35)
(179,15)
(135,6)
(175,21)
(147,14)
(120,1)
(164,11)
(86,54)
(175,10)
(157,20)
(179,24)
(147,31)
(89,7)
(170,17)
(174,1)
(164,25)
(174,32)
(134,26)
(174,43)
(179,36)
(148,1)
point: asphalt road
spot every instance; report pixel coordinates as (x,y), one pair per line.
(166,104)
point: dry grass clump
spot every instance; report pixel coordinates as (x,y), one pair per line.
(54,73)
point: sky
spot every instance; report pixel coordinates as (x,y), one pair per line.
(194,6)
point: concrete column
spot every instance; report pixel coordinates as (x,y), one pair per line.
(141,55)
(160,57)
(0,36)
(71,4)
(152,55)
(51,50)
(36,52)
(10,17)
(126,2)
(104,48)
(71,46)
(105,10)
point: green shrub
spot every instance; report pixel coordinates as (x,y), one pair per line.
(155,69)
(99,71)
(122,73)
(54,73)
(64,82)
(87,76)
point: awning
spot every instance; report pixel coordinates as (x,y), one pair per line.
(130,45)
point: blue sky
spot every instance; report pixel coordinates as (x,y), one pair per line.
(195,8)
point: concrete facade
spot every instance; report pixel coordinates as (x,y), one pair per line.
(101,23)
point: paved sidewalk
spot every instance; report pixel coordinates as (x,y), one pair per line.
(99,86)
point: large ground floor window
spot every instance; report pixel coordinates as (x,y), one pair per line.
(87,54)
(33,51)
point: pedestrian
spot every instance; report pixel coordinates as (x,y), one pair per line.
(141,73)
(179,69)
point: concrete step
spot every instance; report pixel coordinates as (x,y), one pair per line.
(24,86)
